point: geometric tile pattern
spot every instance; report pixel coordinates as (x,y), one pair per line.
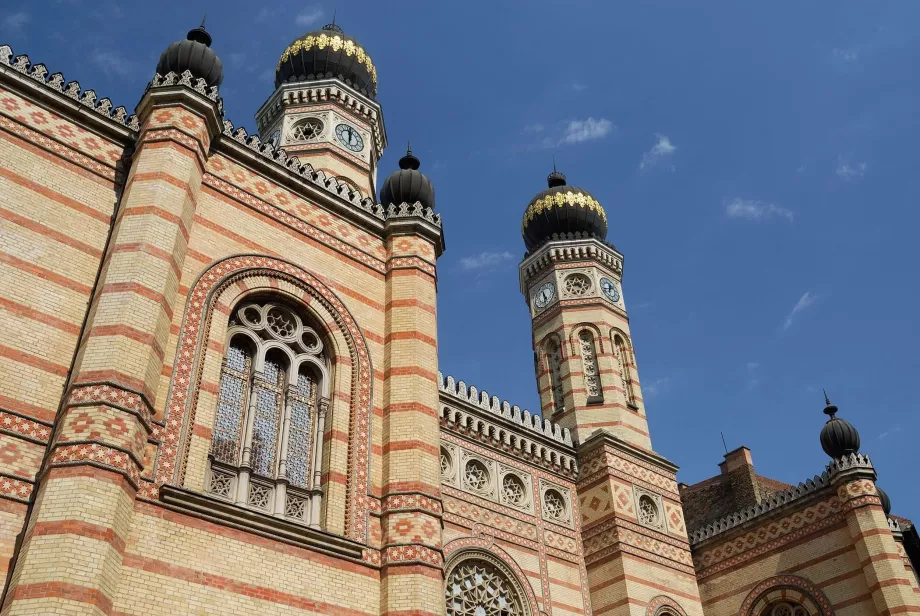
(32,429)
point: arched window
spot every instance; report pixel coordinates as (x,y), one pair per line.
(478,588)
(589,364)
(623,360)
(266,449)
(554,365)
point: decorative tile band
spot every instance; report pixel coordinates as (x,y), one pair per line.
(94,453)
(407,554)
(403,502)
(26,427)
(15,488)
(109,394)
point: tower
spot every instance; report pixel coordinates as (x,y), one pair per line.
(635,542)
(324,107)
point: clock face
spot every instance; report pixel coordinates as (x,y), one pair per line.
(349,137)
(545,294)
(610,289)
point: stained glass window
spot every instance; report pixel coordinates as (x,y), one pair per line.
(231,403)
(303,401)
(268,391)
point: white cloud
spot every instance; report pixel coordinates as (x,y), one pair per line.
(578,131)
(804,302)
(534,128)
(851,172)
(749,209)
(113,64)
(485,261)
(16,21)
(656,387)
(663,149)
(847,55)
(309,17)
(889,432)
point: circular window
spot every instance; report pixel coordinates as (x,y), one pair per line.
(476,476)
(281,323)
(648,511)
(476,588)
(446,463)
(554,505)
(513,491)
(577,285)
(309,130)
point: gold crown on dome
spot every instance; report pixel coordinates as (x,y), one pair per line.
(337,43)
(561,199)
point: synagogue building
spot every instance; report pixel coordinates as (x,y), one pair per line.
(220,394)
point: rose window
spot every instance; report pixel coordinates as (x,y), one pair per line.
(577,285)
(553,505)
(476,588)
(308,130)
(280,323)
(476,476)
(787,609)
(648,512)
(513,491)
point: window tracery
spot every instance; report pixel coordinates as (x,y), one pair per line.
(266,450)
(554,364)
(623,360)
(648,511)
(589,363)
(785,609)
(554,507)
(513,490)
(307,130)
(577,285)
(476,476)
(478,588)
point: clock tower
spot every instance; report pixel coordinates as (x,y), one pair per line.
(324,108)
(571,279)
(586,373)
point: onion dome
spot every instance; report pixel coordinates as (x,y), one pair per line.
(562,209)
(194,55)
(838,436)
(886,501)
(408,185)
(325,54)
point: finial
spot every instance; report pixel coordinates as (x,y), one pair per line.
(554,164)
(409,161)
(830,410)
(334,12)
(199,34)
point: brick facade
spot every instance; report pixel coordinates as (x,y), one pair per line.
(129,244)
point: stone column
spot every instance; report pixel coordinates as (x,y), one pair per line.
(71,554)
(882,563)
(412,561)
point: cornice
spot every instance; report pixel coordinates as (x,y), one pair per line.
(328,90)
(568,249)
(601,439)
(81,106)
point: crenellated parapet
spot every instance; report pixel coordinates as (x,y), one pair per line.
(54,82)
(836,468)
(476,414)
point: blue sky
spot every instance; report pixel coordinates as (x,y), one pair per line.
(757,164)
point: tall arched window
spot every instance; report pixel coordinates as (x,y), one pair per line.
(623,359)
(479,588)
(589,365)
(554,365)
(266,447)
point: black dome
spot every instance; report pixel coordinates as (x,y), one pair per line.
(194,55)
(324,54)
(838,436)
(886,501)
(562,209)
(408,185)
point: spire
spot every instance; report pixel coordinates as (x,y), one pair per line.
(830,410)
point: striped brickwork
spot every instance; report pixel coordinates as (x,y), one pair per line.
(412,578)
(613,414)
(632,563)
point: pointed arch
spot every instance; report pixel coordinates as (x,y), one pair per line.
(553,357)
(625,359)
(586,338)
(220,287)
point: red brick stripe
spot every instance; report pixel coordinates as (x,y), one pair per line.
(410,445)
(134,287)
(154,176)
(128,332)
(29,312)
(159,212)
(225,584)
(403,407)
(33,360)
(80,529)
(63,590)
(47,274)
(54,196)
(411,335)
(28,410)
(410,371)
(151,250)
(71,166)
(411,303)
